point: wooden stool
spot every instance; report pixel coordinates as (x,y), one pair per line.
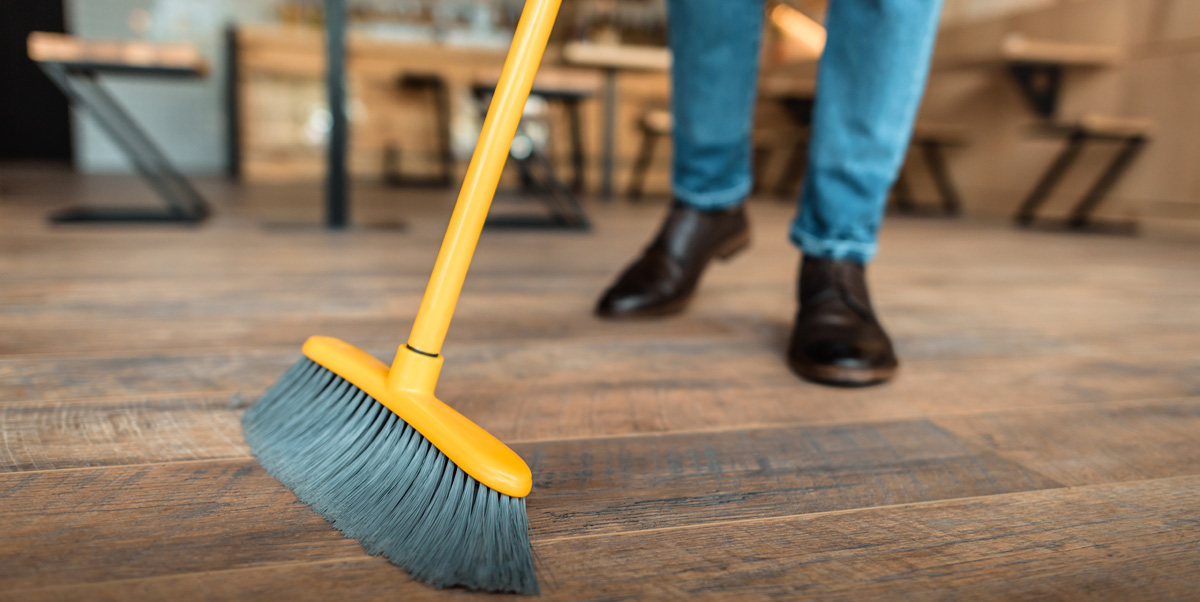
(931,139)
(1132,135)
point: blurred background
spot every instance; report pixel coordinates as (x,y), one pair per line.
(1016,85)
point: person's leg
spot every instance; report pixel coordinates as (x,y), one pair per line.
(871,79)
(869,86)
(714,76)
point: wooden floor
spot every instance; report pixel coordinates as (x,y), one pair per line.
(1042,440)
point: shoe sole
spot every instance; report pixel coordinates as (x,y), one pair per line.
(725,252)
(844,377)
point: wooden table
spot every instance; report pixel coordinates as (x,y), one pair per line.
(612,58)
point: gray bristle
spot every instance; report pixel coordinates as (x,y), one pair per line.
(382,483)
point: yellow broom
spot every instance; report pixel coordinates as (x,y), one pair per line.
(372,449)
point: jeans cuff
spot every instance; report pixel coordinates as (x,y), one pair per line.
(719,199)
(837,250)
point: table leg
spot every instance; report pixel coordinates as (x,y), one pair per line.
(336,197)
(1040,85)
(610,132)
(183,201)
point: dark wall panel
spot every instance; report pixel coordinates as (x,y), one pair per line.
(34,118)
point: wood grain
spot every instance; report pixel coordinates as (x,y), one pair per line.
(652,482)
(1127,541)
(593,486)
(50,435)
(76,526)
(681,383)
(1079,446)
(1121,542)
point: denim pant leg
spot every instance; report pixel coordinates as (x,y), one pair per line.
(714,76)
(869,86)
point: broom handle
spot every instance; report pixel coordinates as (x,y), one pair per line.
(483,174)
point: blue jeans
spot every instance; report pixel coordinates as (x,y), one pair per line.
(869,85)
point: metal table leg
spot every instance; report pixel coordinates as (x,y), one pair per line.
(184,203)
(337,210)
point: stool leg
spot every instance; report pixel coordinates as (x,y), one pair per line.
(645,155)
(1081,213)
(1028,210)
(951,203)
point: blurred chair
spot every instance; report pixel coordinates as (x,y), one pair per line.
(75,65)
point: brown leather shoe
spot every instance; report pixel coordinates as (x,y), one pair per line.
(837,340)
(662,280)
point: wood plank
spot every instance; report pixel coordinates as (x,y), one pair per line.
(1126,541)
(197,297)
(1074,443)
(140,375)
(50,435)
(691,384)
(652,482)
(105,336)
(763,314)
(74,526)
(99,524)
(1081,446)
(962,329)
